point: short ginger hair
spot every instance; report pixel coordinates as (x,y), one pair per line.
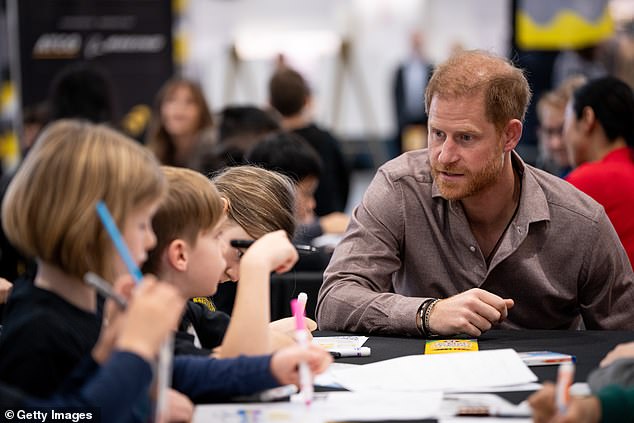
(472,72)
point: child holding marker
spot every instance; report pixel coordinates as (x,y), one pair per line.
(114,386)
(190,253)
(49,213)
(612,398)
(259,201)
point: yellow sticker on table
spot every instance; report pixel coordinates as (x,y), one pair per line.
(443,346)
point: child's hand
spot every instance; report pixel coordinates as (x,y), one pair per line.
(625,350)
(274,251)
(285,362)
(287,324)
(580,409)
(5,290)
(334,223)
(180,408)
(282,332)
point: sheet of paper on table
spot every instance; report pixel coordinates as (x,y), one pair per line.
(443,372)
(327,378)
(328,406)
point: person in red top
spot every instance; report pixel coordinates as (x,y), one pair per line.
(599,135)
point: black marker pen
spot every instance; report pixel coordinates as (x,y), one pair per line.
(246,243)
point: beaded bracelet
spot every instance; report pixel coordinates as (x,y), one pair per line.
(422,312)
(428,311)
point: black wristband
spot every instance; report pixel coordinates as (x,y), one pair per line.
(420,319)
(426,316)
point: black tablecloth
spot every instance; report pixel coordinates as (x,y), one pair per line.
(589,347)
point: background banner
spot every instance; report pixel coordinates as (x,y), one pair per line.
(130,40)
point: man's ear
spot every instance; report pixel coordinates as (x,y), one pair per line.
(588,119)
(177,255)
(512,134)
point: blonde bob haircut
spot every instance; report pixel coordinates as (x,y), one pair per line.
(475,72)
(259,200)
(192,206)
(49,209)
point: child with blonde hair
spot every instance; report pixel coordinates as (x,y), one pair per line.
(49,213)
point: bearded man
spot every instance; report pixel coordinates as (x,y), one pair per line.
(464,236)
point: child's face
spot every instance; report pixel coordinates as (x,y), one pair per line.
(138,235)
(206,262)
(305,199)
(180,113)
(232,230)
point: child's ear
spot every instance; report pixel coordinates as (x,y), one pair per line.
(177,255)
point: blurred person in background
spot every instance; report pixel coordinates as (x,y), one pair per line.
(181,124)
(410,80)
(553,156)
(291,155)
(599,135)
(291,96)
(240,127)
(80,91)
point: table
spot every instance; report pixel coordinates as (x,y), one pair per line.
(589,347)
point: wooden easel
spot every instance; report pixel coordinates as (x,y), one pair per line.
(346,65)
(235,68)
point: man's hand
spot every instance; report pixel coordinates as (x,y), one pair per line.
(472,312)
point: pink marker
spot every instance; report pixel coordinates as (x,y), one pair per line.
(305,378)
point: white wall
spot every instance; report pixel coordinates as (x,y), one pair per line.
(378,30)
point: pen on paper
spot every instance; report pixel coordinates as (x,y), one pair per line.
(305,378)
(565,377)
(246,243)
(105,289)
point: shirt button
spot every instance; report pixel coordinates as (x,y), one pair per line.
(472,248)
(519,230)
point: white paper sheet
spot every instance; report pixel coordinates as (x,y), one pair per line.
(327,378)
(328,406)
(467,370)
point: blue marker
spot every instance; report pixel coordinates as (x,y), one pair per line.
(117,239)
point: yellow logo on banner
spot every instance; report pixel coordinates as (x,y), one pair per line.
(562,24)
